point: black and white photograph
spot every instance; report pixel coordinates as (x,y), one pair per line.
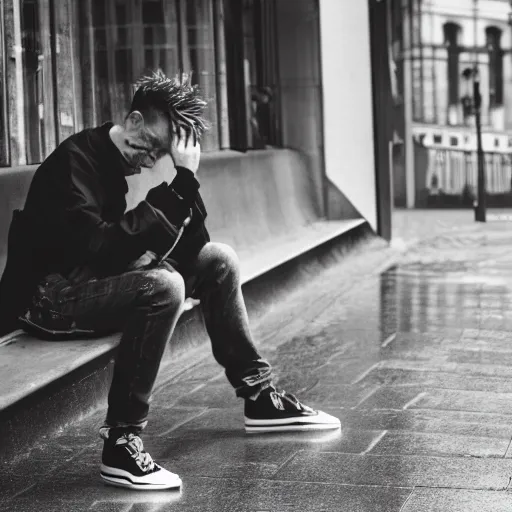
(256,255)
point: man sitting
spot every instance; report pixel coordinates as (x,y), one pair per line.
(80,265)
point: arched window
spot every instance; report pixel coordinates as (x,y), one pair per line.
(493,42)
(452,42)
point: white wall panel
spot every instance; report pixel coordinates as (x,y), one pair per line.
(347,102)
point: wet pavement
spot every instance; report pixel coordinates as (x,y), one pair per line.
(415,361)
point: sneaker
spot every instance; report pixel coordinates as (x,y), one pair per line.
(282,412)
(126,464)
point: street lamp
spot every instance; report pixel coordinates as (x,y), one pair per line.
(473,106)
(477,99)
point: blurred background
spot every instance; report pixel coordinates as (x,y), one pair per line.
(436,48)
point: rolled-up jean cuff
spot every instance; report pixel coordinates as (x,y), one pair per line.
(107,425)
(253,392)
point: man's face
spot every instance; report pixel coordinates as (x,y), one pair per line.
(145,142)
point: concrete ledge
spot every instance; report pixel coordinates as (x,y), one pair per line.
(256,263)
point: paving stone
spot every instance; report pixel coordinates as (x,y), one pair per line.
(337,372)
(205,369)
(222,419)
(457,423)
(410,470)
(291,496)
(437,325)
(486,334)
(495,323)
(338,395)
(415,443)
(64,493)
(494,343)
(466,401)
(229,454)
(388,397)
(457,500)
(47,456)
(14,483)
(164,419)
(486,357)
(428,328)
(318,338)
(210,394)
(453,367)
(423,339)
(347,371)
(397,377)
(172,392)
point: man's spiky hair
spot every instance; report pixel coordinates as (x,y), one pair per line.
(176,97)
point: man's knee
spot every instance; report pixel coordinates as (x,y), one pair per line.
(163,287)
(224,259)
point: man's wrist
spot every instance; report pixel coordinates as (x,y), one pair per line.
(185,170)
(185,183)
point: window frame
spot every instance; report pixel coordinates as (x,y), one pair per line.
(5,150)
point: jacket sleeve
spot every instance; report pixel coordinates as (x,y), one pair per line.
(175,200)
(106,246)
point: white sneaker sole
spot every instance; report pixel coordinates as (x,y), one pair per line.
(322,421)
(120,478)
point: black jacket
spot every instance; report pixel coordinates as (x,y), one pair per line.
(74,218)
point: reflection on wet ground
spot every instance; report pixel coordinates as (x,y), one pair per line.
(417,363)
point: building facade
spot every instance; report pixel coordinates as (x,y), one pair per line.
(279,76)
(445,40)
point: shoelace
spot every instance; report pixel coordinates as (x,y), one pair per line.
(292,399)
(134,445)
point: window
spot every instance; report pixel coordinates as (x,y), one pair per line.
(73,63)
(37,86)
(121,40)
(32,80)
(451,39)
(253,83)
(27,110)
(264,79)
(493,42)
(198,54)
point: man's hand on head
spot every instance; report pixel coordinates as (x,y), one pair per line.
(185,150)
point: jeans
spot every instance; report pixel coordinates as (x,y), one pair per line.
(145,305)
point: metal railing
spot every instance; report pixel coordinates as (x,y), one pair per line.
(451,171)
